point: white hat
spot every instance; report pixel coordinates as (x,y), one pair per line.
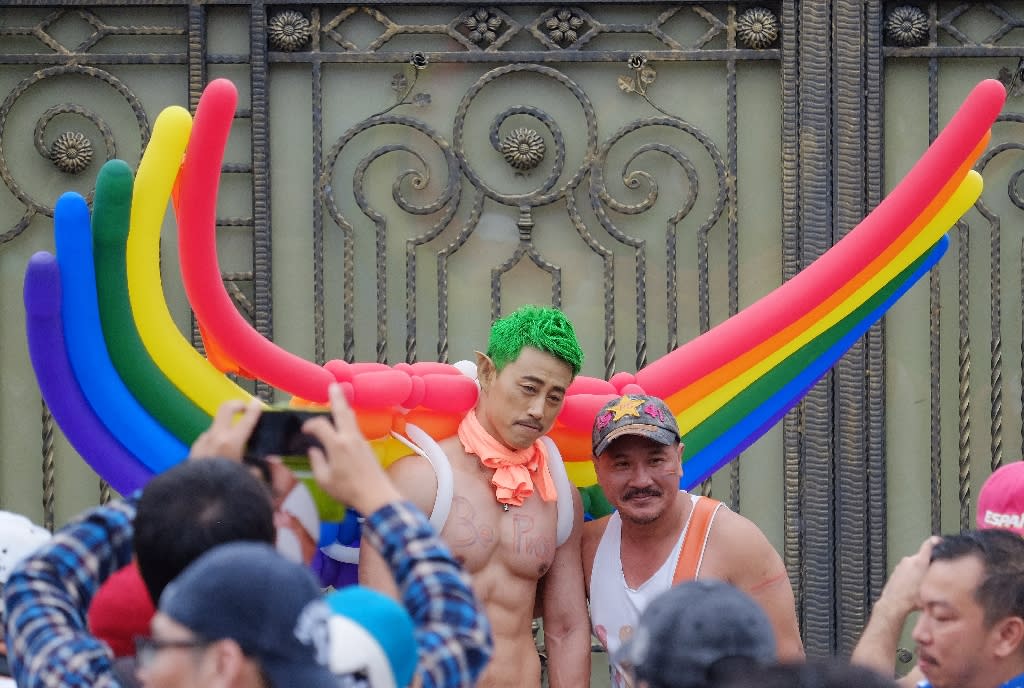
(19,537)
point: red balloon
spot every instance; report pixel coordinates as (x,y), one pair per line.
(590,385)
(579,410)
(449,393)
(428,367)
(620,380)
(416,394)
(380,389)
(341,370)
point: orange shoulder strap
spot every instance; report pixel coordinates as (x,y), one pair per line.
(692,551)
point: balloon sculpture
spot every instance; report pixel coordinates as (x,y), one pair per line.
(131,392)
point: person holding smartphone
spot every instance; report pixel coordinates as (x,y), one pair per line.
(452,633)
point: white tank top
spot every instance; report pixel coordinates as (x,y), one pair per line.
(614,606)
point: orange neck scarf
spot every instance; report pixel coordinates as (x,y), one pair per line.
(514,470)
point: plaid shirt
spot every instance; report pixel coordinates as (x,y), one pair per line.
(48,594)
(452,633)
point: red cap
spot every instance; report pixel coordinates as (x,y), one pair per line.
(121,610)
(1001,499)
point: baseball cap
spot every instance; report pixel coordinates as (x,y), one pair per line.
(690,627)
(634,414)
(370,635)
(121,610)
(1001,499)
(249,593)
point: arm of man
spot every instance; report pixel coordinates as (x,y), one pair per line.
(415,481)
(751,564)
(452,632)
(877,645)
(453,636)
(47,596)
(564,607)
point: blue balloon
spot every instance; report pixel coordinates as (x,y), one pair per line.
(113,403)
(745,432)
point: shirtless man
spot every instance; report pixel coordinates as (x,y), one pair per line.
(502,523)
(631,556)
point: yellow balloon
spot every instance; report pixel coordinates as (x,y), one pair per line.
(389,450)
(190,372)
(581,473)
(959,203)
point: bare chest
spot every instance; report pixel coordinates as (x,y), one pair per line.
(482,534)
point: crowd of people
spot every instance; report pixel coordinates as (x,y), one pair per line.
(181,584)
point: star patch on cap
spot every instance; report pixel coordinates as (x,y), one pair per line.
(627,406)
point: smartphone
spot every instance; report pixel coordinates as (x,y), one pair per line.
(279,432)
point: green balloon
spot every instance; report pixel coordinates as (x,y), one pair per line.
(111,218)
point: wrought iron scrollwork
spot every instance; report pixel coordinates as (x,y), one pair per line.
(542,146)
(70,150)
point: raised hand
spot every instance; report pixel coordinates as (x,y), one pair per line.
(346,468)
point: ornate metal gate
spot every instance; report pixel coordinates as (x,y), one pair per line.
(650,167)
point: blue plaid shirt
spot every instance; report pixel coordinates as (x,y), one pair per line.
(452,633)
(48,594)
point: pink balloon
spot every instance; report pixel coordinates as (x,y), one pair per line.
(416,394)
(590,385)
(620,380)
(381,389)
(341,370)
(430,367)
(579,410)
(449,393)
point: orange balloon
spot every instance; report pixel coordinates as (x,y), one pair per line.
(436,424)
(570,441)
(374,423)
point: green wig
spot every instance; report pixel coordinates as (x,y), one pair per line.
(542,328)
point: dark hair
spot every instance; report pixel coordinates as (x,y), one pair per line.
(1001,552)
(832,673)
(190,509)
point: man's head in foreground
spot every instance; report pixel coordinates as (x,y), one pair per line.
(696,633)
(234,618)
(971,630)
(531,359)
(192,508)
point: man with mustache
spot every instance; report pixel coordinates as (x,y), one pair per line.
(514,520)
(660,535)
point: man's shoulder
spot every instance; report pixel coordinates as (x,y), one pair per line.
(735,543)
(416,479)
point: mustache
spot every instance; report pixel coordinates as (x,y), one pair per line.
(642,492)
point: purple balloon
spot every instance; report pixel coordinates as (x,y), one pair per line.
(333,573)
(57,382)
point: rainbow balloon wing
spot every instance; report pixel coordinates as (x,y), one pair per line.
(727,387)
(730,385)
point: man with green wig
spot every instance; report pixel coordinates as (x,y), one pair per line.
(513,519)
